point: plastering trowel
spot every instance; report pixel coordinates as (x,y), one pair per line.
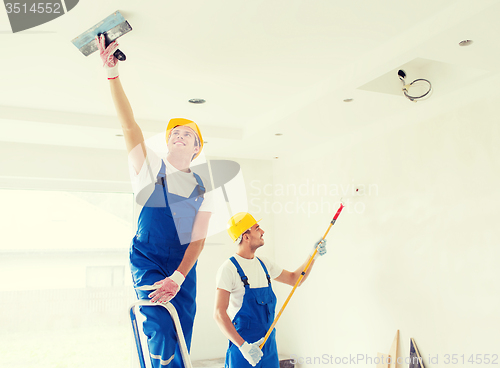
(111,27)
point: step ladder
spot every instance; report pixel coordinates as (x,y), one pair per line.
(178,328)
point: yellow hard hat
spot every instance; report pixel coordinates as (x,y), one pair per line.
(240,223)
(185,122)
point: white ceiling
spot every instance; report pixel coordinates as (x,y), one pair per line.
(264,67)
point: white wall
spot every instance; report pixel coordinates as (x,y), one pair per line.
(419,253)
(41,166)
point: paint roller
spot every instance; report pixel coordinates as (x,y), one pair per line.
(112,27)
(300,277)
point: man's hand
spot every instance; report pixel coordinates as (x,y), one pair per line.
(252,352)
(109,61)
(321,245)
(169,288)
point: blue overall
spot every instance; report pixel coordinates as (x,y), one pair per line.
(163,235)
(252,322)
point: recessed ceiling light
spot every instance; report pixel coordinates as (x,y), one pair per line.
(119,135)
(278,134)
(465,43)
(197,100)
(276,157)
(349,100)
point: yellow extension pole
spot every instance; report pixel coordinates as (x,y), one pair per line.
(300,278)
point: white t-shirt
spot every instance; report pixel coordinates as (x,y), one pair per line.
(228,279)
(182,183)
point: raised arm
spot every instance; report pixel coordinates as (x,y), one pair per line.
(131,130)
(290,278)
(134,139)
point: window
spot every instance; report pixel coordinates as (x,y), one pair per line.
(66,283)
(105,276)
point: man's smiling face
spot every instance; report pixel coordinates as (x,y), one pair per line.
(183,139)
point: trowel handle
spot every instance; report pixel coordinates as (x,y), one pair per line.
(120,55)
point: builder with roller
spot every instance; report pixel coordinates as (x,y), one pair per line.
(172,225)
(245,302)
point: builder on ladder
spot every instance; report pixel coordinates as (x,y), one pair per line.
(172,225)
(245,301)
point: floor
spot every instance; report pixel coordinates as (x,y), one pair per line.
(285,362)
(209,363)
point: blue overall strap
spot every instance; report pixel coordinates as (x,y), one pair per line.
(265,270)
(244,278)
(164,184)
(163,179)
(201,187)
(161,174)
